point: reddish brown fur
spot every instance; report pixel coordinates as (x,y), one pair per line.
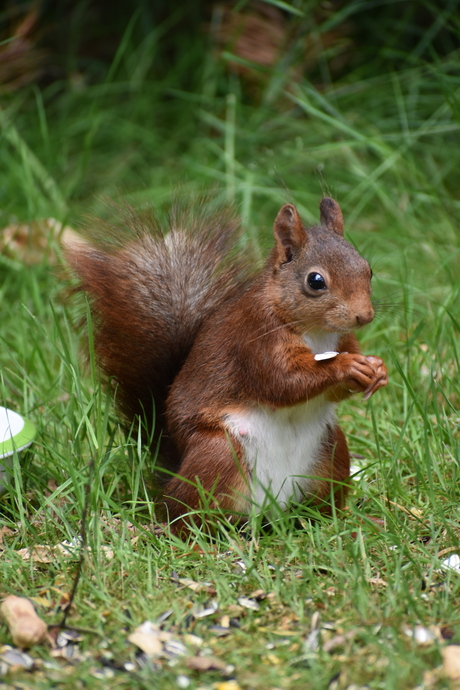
(334,467)
(213,466)
(241,347)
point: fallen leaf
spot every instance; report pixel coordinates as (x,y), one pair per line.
(451,661)
(25,627)
(4,531)
(259,595)
(377,581)
(155,642)
(45,553)
(147,638)
(431,679)
(43,602)
(235,611)
(449,549)
(273,659)
(42,553)
(193,640)
(315,620)
(205,663)
(29,242)
(338,641)
(411,512)
(108,552)
(193,585)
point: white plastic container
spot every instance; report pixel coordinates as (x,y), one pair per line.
(16,434)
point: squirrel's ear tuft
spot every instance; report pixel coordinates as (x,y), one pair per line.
(289,233)
(331,215)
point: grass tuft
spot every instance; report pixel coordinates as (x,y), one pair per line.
(381,135)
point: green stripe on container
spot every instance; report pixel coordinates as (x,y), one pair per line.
(20,441)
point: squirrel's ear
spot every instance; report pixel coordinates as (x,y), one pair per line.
(289,233)
(331,215)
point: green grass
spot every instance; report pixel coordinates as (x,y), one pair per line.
(383,139)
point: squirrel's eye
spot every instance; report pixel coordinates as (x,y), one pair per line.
(315,281)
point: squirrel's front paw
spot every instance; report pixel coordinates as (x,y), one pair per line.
(357,373)
(380,377)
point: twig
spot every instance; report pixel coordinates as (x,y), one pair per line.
(83,545)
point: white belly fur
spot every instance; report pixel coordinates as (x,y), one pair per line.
(282,446)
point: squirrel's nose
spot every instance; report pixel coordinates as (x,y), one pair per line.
(365,317)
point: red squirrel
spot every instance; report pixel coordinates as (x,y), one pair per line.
(224,356)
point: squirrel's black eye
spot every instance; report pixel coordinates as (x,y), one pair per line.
(315,281)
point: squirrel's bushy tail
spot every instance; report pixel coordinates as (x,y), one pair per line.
(150,291)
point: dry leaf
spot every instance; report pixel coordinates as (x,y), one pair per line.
(155,642)
(451,661)
(205,663)
(377,581)
(42,553)
(45,553)
(147,638)
(273,659)
(25,627)
(107,551)
(260,595)
(43,602)
(338,641)
(29,242)
(4,531)
(449,549)
(193,640)
(193,585)
(431,679)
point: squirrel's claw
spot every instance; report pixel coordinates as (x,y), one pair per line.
(381,377)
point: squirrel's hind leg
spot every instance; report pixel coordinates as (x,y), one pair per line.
(334,465)
(212,475)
